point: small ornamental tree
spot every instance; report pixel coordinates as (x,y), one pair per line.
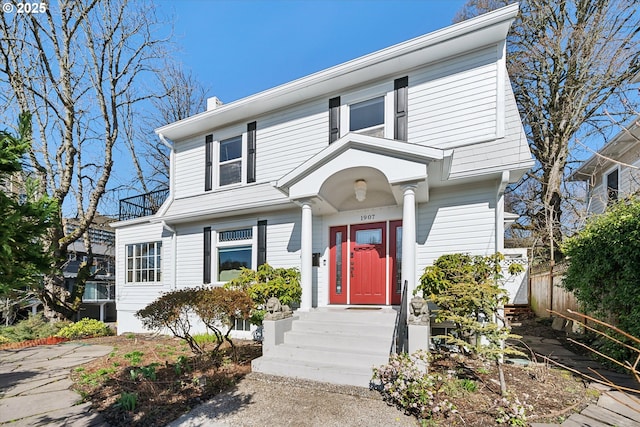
(467,291)
(604,265)
(267,282)
(219,307)
(173,311)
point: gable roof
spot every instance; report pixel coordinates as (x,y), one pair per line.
(484,30)
(614,149)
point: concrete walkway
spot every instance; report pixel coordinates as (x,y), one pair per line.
(34,386)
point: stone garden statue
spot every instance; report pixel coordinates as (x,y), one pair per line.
(277,311)
(418,311)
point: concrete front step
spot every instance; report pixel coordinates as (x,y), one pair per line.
(342,328)
(337,341)
(383,316)
(338,357)
(324,372)
(333,345)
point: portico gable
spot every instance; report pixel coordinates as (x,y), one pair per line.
(386,172)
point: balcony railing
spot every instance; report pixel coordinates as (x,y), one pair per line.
(142,204)
(97,291)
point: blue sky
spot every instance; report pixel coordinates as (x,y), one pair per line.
(241,47)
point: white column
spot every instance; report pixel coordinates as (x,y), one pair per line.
(409,238)
(102,311)
(306,256)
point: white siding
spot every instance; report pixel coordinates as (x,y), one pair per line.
(496,155)
(283,239)
(456,219)
(190,255)
(131,297)
(189,167)
(630,178)
(454,102)
(288,138)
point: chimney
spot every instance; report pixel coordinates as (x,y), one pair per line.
(213,103)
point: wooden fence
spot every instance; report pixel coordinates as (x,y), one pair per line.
(546,291)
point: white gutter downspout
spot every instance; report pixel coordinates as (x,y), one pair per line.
(174,238)
(504,181)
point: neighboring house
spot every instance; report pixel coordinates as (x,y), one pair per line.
(359,176)
(613,172)
(98,301)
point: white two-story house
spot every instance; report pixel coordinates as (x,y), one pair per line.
(359,175)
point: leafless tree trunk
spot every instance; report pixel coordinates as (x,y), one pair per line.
(568,61)
(77,67)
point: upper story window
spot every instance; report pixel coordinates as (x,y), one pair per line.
(230,160)
(384,116)
(367,117)
(230,164)
(612,179)
(144,262)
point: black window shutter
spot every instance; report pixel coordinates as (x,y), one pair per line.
(262,242)
(251,152)
(334,119)
(400,87)
(208,165)
(206,268)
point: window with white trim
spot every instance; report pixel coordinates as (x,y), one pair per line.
(367,117)
(230,161)
(144,262)
(240,324)
(234,251)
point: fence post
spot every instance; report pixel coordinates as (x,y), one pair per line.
(551,264)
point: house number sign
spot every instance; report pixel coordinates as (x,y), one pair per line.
(367,217)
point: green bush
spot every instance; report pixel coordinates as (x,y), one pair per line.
(267,282)
(468,293)
(85,328)
(34,327)
(604,265)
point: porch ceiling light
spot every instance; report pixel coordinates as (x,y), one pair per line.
(360,187)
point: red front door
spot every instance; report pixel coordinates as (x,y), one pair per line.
(367,263)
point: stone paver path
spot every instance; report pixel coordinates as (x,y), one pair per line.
(34,386)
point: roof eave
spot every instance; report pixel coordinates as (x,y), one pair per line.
(450,41)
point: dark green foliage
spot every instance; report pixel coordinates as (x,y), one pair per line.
(25,216)
(267,282)
(604,266)
(468,293)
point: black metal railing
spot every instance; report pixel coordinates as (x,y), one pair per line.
(400,331)
(142,204)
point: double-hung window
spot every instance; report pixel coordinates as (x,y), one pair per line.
(230,159)
(144,261)
(230,164)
